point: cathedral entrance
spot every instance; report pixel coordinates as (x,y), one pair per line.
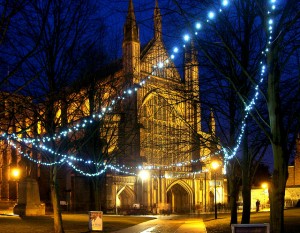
(125,198)
(179,199)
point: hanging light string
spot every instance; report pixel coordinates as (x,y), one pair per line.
(71,162)
(67,157)
(229,155)
(89,120)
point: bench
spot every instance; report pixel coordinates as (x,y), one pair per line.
(250,228)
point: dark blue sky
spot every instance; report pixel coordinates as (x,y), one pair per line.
(115,11)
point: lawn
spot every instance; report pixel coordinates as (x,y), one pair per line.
(222,224)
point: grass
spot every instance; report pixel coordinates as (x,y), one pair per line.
(222,224)
(72,223)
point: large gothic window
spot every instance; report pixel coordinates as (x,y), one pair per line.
(163,134)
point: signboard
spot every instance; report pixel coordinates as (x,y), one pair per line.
(250,228)
(95,220)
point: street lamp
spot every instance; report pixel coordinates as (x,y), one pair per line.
(214,166)
(116,205)
(205,171)
(144,175)
(15,173)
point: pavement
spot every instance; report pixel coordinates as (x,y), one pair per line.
(161,224)
(194,226)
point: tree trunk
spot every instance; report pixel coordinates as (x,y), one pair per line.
(58,224)
(279,145)
(233,188)
(233,208)
(277,191)
(96,192)
(246,192)
(246,187)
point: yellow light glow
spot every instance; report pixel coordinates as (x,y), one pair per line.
(215,165)
(144,175)
(264,185)
(15,173)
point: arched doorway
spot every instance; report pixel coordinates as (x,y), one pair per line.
(125,198)
(179,198)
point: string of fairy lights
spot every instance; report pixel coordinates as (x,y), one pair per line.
(73,161)
(250,106)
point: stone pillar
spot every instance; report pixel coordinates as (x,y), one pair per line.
(29,203)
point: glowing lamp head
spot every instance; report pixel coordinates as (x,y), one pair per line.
(264,185)
(215,165)
(144,175)
(16,173)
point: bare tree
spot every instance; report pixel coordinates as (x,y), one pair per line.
(60,31)
(282,101)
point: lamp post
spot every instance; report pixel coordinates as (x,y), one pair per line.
(116,198)
(144,175)
(214,166)
(15,173)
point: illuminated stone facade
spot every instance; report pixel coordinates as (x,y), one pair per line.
(168,115)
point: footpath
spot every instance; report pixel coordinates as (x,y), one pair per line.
(161,224)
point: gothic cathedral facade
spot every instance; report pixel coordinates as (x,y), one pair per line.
(169,145)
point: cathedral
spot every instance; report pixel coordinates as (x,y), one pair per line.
(153,135)
(161,133)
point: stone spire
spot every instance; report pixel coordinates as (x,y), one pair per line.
(157,22)
(191,82)
(131,32)
(191,53)
(191,69)
(131,46)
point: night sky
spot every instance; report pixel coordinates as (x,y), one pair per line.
(114,12)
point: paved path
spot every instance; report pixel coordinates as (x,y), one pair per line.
(192,226)
(168,224)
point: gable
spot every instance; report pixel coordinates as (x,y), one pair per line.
(153,54)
